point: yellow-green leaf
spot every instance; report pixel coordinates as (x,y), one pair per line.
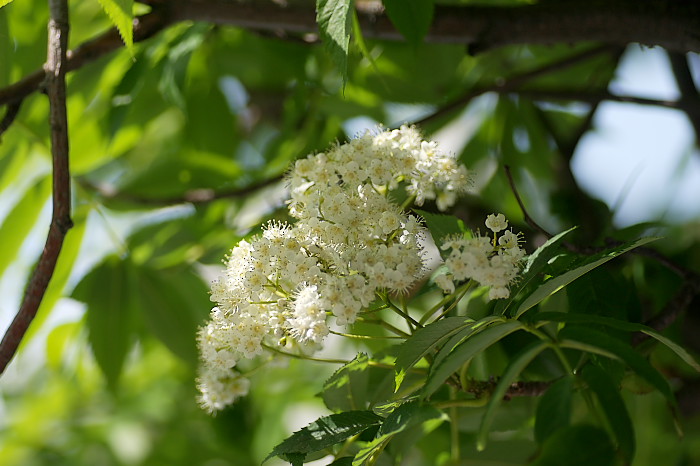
(121,13)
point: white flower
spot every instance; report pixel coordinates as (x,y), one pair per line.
(445,283)
(497,222)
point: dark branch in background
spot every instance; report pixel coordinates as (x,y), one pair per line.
(144,27)
(513,83)
(60,219)
(195,196)
(10,115)
(593,97)
(673,25)
(529,220)
(690,99)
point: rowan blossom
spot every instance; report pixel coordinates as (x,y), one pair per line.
(290,284)
(493,262)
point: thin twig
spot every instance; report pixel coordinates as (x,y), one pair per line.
(690,99)
(195,196)
(145,26)
(593,97)
(515,82)
(60,219)
(10,114)
(529,220)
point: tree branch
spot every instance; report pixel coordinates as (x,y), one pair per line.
(513,83)
(144,27)
(690,99)
(195,196)
(60,220)
(673,25)
(593,97)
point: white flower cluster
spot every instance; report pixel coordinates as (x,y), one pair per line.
(349,242)
(493,262)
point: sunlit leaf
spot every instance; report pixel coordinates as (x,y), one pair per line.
(121,14)
(422,342)
(465,351)
(405,416)
(325,432)
(334,18)
(19,222)
(346,389)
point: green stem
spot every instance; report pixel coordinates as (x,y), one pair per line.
(553,345)
(386,325)
(454,428)
(408,202)
(473,403)
(307,358)
(400,312)
(456,296)
(365,337)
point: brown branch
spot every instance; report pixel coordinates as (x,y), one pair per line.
(513,83)
(529,220)
(690,99)
(195,196)
(60,220)
(482,388)
(673,25)
(144,27)
(593,97)
(10,115)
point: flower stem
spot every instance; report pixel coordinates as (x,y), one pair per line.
(307,358)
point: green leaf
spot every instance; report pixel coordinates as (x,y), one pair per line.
(465,351)
(173,304)
(346,389)
(108,291)
(412,18)
(554,409)
(422,342)
(405,416)
(441,225)
(5,45)
(623,351)
(325,432)
(344,461)
(121,14)
(580,445)
(21,219)
(557,283)
(516,366)
(334,18)
(621,325)
(612,407)
(534,264)
(464,333)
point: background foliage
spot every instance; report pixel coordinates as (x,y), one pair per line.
(178,145)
